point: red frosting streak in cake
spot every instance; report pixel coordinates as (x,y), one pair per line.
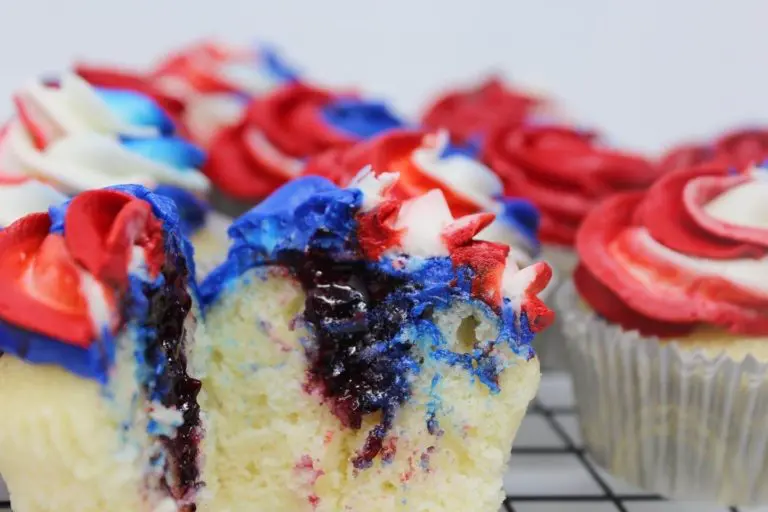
(468,113)
(629,281)
(42,272)
(290,120)
(563,171)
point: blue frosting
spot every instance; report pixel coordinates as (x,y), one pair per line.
(311,224)
(136,109)
(275,65)
(95,361)
(172,151)
(524,217)
(360,118)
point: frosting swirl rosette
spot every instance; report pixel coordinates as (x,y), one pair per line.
(473,112)
(268,147)
(736,149)
(563,171)
(207,84)
(426,161)
(691,251)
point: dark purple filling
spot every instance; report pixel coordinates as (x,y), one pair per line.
(168,307)
(355,313)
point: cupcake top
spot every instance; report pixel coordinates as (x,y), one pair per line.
(375,269)
(78,137)
(426,161)
(736,149)
(468,114)
(268,147)
(20,196)
(565,172)
(690,252)
(76,276)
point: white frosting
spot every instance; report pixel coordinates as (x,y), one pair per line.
(98,307)
(206,114)
(475,182)
(85,152)
(746,272)
(372,186)
(20,199)
(423,220)
(744,205)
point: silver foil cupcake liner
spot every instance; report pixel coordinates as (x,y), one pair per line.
(549,345)
(669,420)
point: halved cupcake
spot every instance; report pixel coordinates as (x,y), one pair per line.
(379,354)
(98,312)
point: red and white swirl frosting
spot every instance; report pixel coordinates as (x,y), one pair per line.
(563,171)
(473,112)
(469,187)
(737,149)
(691,251)
(68,285)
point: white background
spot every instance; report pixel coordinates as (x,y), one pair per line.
(647,72)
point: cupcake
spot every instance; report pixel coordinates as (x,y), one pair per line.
(565,172)
(21,196)
(207,84)
(425,161)
(97,325)
(668,324)
(77,137)
(382,353)
(470,113)
(737,149)
(270,144)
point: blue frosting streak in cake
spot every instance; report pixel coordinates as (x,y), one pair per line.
(309,226)
(360,118)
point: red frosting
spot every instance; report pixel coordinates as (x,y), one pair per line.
(390,152)
(43,274)
(469,113)
(564,172)
(290,121)
(737,149)
(628,279)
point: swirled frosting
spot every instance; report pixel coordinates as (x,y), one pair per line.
(67,274)
(427,161)
(563,171)
(471,113)
(736,149)
(269,145)
(691,251)
(78,137)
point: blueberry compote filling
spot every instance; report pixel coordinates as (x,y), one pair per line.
(166,340)
(356,360)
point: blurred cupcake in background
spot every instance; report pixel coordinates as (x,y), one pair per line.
(269,146)
(77,137)
(426,161)
(470,113)
(668,322)
(207,84)
(737,149)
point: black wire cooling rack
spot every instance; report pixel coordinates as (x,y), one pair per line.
(551,472)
